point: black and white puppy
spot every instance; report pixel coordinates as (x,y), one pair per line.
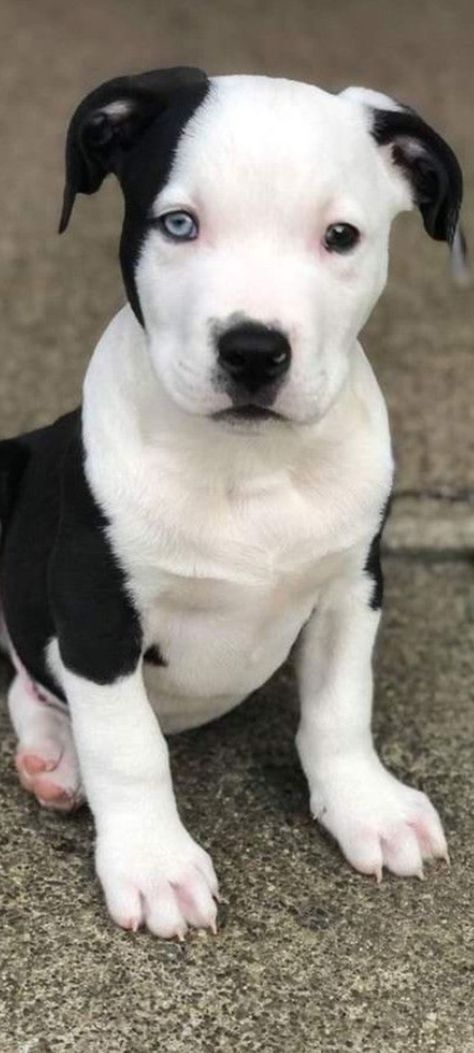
(223,488)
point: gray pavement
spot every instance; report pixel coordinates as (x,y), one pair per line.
(310,957)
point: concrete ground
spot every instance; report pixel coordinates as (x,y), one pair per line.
(310,957)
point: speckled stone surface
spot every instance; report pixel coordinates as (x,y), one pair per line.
(431,527)
(310,957)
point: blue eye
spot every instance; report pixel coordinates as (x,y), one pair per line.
(179,226)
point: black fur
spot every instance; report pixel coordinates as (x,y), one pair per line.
(432,168)
(13,461)
(31,474)
(137,144)
(153,656)
(373,565)
(58,574)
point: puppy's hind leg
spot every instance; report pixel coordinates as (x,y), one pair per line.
(46,758)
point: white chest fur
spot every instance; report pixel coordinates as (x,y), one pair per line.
(226,539)
(225,618)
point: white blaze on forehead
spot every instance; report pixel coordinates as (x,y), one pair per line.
(276,147)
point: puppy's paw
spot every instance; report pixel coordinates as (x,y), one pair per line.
(55,783)
(377,820)
(163,881)
(46,758)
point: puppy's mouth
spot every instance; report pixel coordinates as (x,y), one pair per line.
(249,413)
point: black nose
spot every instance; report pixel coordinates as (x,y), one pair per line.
(254,355)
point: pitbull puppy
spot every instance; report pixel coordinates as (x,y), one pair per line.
(221,494)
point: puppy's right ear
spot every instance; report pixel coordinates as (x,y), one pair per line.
(108,123)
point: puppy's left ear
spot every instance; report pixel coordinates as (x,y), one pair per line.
(110,121)
(429,166)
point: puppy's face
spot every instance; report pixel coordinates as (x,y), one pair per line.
(256,234)
(266,249)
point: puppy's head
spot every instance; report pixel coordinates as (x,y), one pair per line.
(257,217)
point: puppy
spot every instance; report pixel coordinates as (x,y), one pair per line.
(221,492)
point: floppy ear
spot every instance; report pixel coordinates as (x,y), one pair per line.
(108,123)
(428,163)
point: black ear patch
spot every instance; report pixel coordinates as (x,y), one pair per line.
(111,120)
(430,165)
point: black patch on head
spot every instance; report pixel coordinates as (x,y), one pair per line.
(131,126)
(373,565)
(58,574)
(145,173)
(430,165)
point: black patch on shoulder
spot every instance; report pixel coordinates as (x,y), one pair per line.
(373,565)
(98,627)
(58,574)
(153,657)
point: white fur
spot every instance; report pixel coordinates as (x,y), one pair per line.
(151,869)
(227,548)
(266,166)
(46,757)
(375,818)
(233,537)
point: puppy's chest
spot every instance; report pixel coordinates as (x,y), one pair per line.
(224,585)
(202,552)
(224,630)
(222,636)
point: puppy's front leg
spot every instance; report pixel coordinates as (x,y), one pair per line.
(376,820)
(151,870)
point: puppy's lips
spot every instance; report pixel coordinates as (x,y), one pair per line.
(250,412)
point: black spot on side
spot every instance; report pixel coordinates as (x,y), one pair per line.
(373,565)
(153,657)
(58,574)
(14,457)
(98,627)
(31,466)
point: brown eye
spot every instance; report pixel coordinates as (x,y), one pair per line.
(341,237)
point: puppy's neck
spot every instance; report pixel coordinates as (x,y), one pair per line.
(128,415)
